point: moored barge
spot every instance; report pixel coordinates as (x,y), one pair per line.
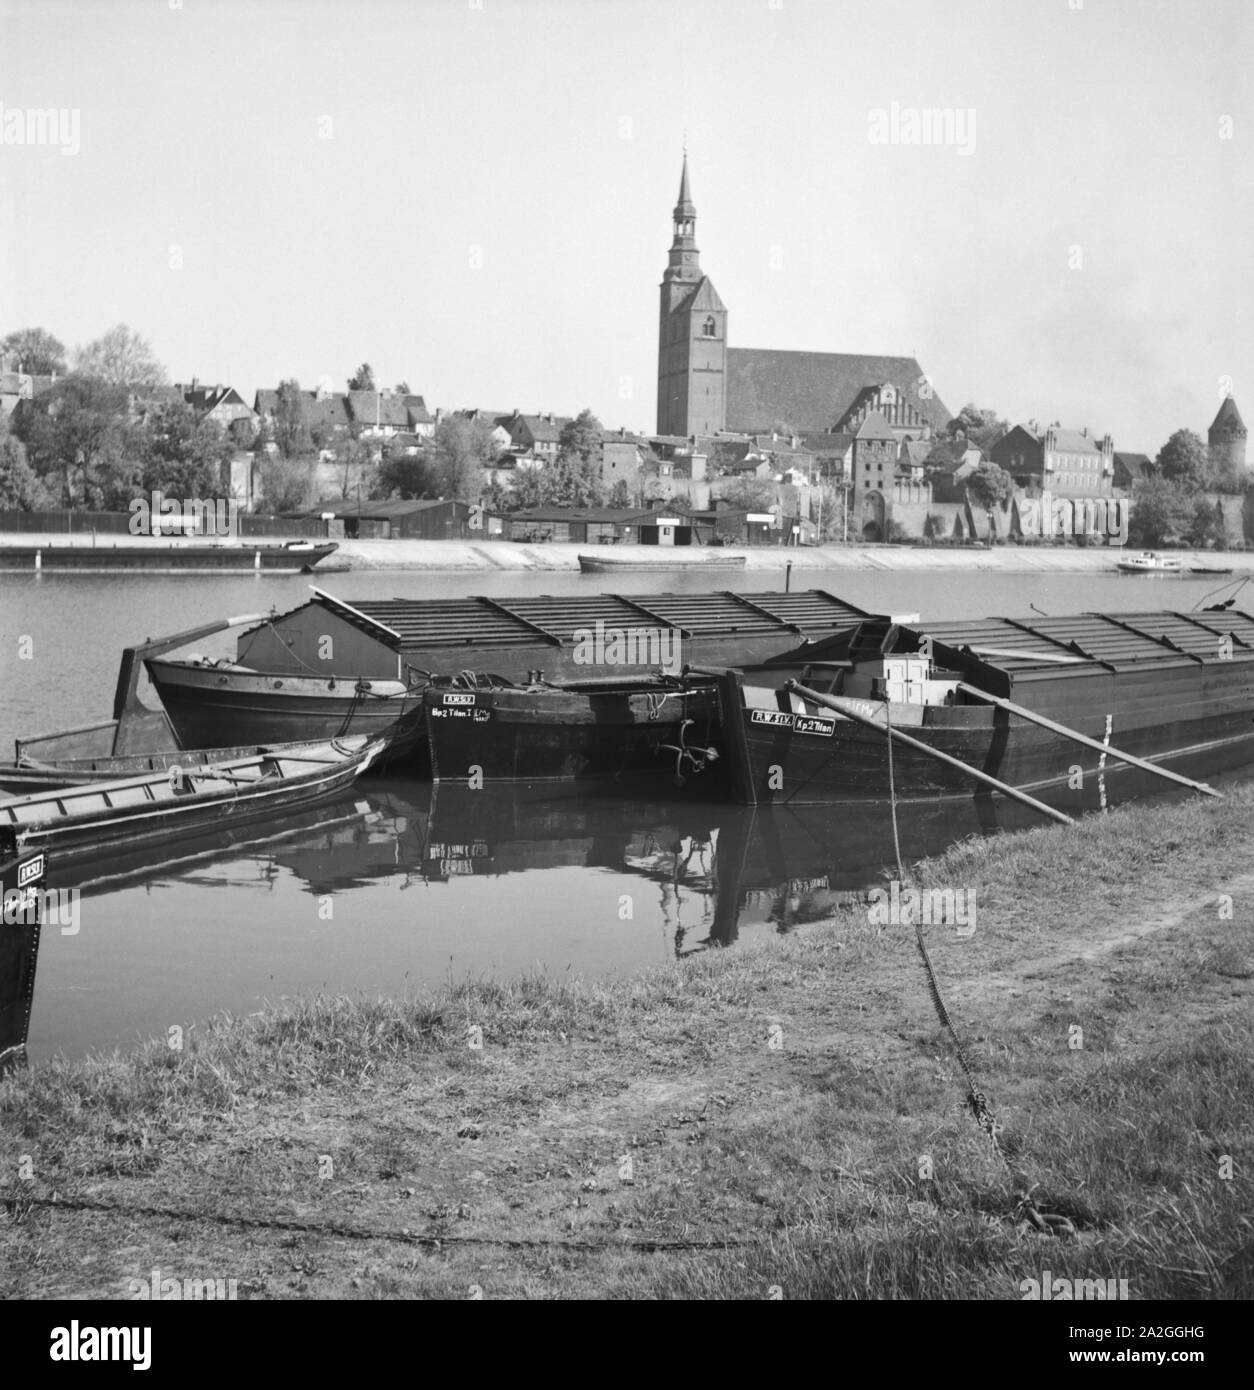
(331,665)
(1028,705)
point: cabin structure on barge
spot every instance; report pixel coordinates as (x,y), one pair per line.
(407,639)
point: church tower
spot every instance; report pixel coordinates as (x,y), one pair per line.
(1226,437)
(692,335)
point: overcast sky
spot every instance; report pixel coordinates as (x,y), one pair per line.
(475,195)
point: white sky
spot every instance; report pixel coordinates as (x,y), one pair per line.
(547,133)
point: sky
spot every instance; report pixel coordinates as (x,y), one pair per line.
(475,196)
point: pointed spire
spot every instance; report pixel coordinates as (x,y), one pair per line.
(685,208)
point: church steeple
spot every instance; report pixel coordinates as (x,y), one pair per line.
(684,266)
(692,334)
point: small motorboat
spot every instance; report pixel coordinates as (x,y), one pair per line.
(96,818)
(1151,562)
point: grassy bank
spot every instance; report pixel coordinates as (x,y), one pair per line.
(742,1121)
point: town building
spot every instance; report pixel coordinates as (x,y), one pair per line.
(1062,460)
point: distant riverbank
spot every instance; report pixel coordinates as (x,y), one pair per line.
(783,1120)
(453,556)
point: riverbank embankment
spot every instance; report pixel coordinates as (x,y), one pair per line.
(780,1120)
(455,555)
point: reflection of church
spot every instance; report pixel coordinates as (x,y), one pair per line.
(869,406)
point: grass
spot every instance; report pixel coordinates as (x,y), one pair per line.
(792,1110)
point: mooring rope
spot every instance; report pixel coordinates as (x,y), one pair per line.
(977,1101)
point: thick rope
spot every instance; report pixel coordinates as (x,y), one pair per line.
(977,1101)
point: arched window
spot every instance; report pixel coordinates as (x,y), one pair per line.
(709,327)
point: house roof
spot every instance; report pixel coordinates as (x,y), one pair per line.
(392,511)
(812,390)
(541,430)
(1074,442)
(371,407)
(916,451)
(874,426)
(826,444)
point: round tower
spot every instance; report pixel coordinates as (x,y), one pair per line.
(1226,438)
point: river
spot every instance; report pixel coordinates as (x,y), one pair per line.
(393,888)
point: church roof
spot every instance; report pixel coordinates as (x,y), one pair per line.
(1229,416)
(810,391)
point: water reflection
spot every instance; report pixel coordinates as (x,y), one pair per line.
(425,883)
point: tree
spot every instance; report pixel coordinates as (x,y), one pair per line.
(184,454)
(21,488)
(460,449)
(355,468)
(402,388)
(983,428)
(747,494)
(78,434)
(364,380)
(406,476)
(285,484)
(1184,460)
(1161,511)
(121,358)
(291,430)
(620,495)
(989,486)
(34,351)
(1206,526)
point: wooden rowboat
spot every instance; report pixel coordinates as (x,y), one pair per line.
(96,817)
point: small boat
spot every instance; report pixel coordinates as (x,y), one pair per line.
(653,562)
(612,729)
(32,775)
(236,557)
(1150,562)
(22,880)
(97,817)
(1205,570)
(998,703)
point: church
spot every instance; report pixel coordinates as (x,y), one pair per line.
(706,387)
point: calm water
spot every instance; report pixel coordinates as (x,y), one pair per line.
(395,887)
